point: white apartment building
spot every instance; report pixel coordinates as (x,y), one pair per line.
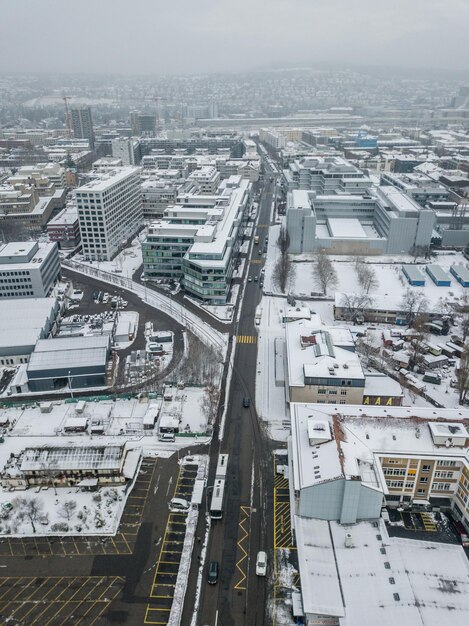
(110,212)
(28,269)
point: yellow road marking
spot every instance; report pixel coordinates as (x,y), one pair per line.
(239,584)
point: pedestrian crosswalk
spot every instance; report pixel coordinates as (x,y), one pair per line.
(246,339)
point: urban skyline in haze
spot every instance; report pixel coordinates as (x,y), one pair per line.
(151,37)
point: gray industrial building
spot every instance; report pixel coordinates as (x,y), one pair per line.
(22,324)
(383,221)
(76,362)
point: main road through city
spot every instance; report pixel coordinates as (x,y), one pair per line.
(239,597)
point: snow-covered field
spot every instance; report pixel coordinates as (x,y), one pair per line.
(61,511)
(391,280)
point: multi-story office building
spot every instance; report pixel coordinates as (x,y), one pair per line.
(28,269)
(404,455)
(109,212)
(384,221)
(326,175)
(157,195)
(82,123)
(127,149)
(198,243)
(142,123)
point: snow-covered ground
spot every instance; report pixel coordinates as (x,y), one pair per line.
(206,333)
(62,511)
(126,263)
(388,270)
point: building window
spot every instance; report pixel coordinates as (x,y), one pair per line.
(425,468)
(424,479)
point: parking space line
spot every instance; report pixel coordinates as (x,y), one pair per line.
(9,588)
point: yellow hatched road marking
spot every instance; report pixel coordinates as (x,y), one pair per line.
(246,339)
(239,584)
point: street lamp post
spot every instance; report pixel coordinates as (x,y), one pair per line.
(70,384)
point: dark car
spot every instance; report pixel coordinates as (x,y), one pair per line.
(212,573)
(246,402)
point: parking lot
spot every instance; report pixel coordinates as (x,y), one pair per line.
(169,557)
(53,601)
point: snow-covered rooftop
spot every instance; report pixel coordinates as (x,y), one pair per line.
(349,228)
(362,432)
(380,580)
(313,349)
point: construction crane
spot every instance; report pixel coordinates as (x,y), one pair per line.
(68,119)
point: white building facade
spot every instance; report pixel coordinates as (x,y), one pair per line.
(109,212)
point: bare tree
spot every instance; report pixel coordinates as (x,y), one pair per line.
(354,305)
(324,272)
(366,277)
(413,303)
(30,508)
(463,309)
(462,376)
(284,273)
(368,352)
(209,402)
(283,241)
(67,509)
(419,339)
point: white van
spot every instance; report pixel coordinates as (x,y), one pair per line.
(261,564)
(179,504)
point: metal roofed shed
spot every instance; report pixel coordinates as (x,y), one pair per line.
(76,362)
(414,275)
(461,273)
(438,275)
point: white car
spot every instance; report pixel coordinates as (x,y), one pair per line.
(261,564)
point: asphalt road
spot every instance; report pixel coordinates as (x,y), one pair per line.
(240,596)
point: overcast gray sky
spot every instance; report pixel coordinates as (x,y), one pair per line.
(192,36)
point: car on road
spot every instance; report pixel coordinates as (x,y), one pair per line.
(261,563)
(246,402)
(256,278)
(212,573)
(261,284)
(259,251)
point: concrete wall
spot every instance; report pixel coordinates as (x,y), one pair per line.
(309,393)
